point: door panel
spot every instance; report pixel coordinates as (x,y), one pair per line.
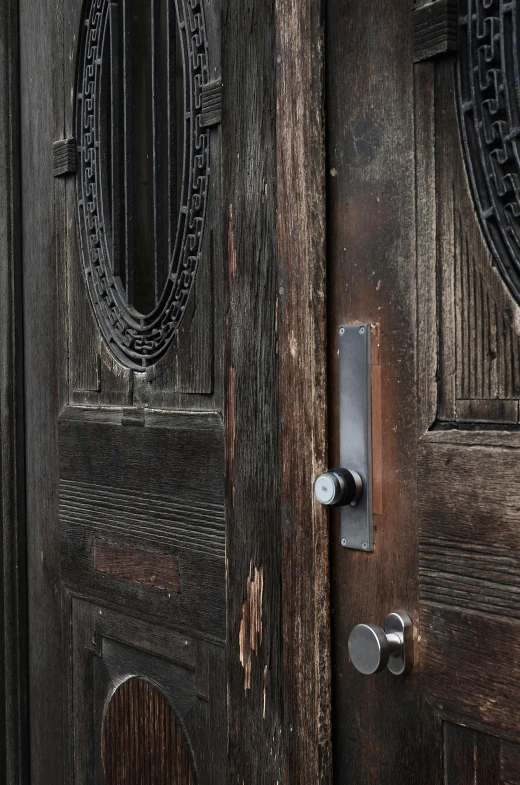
(422,242)
(125,467)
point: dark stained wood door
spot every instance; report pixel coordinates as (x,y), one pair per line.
(120,113)
(164,336)
(422,128)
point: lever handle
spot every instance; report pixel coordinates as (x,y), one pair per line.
(372,649)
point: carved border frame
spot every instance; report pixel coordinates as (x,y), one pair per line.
(136,340)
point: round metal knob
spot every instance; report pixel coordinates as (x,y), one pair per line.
(369,648)
(372,649)
(338,487)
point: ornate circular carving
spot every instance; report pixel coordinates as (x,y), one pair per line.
(143,743)
(138,340)
(489,108)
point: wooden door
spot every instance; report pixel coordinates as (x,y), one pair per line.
(422,125)
(125,447)
(162,334)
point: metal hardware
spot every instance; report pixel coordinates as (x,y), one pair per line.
(356,432)
(372,649)
(351,489)
(338,487)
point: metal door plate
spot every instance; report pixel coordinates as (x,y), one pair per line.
(357,530)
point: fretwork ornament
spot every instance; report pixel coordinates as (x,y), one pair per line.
(489,107)
(136,340)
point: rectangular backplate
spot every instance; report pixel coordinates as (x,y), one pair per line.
(357,529)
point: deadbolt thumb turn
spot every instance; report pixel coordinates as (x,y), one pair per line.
(372,649)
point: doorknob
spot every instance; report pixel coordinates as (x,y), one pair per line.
(338,487)
(372,649)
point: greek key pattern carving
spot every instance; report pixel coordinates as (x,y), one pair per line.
(489,92)
(137,340)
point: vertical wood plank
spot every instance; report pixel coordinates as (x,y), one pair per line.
(13,618)
(470,757)
(302,366)
(427,327)
(43,206)
(371,256)
(253,539)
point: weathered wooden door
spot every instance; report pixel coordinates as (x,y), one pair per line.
(423,229)
(160,337)
(123,372)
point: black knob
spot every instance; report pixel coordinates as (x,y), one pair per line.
(338,487)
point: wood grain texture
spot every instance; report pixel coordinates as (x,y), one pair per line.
(155,482)
(143,742)
(469,580)
(479,322)
(43,243)
(509,763)
(13,590)
(435,29)
(469,544)
(371,256)
(426,248)
(136,565)
(107,649)
(470,757)
(300,148)
(252,412)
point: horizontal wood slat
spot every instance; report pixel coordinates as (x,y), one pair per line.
(211,103)
(64,157)
(435,29)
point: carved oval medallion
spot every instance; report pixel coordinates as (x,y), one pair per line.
(489,105)
(143,167)
(143,743)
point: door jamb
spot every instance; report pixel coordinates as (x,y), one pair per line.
(14,731)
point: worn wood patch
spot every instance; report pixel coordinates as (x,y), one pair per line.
(134,565)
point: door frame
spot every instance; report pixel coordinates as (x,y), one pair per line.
(14,738)
(274,236)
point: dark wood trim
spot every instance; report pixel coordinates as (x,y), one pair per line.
(252,410)
(13,618)
(300,150)
(277,541)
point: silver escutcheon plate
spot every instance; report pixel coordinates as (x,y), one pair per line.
(357,531)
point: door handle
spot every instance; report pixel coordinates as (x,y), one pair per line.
(372,649)
(350,488)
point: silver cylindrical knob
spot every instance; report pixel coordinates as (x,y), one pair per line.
(338,487)
(372,649)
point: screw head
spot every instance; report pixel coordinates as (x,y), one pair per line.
(361,330)
(343,541)
(342,331)
(364,545)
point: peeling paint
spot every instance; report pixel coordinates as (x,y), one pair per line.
(250,635)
